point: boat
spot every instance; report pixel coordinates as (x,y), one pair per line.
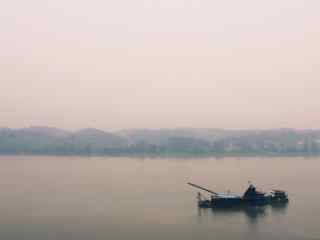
(251,197)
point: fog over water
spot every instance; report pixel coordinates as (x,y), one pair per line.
(133,198)
(158,64)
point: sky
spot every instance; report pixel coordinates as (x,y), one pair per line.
(160,64)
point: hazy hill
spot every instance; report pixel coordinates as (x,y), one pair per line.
(45,140)
(95,141)
(29,140)
(44,131)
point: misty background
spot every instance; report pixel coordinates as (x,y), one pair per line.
(160,64)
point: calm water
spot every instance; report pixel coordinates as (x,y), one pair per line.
(123,198)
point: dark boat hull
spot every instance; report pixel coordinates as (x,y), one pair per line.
(240,202)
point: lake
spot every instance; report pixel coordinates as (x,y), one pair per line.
(147,198)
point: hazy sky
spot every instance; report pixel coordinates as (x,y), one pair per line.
(160,63)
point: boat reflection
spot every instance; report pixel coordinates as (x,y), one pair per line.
(252,213)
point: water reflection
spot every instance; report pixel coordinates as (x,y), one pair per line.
(279,208)
(252,213)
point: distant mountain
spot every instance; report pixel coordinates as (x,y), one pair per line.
(29,140)
(90,141)
(44,131)
(45,140)
(96,141)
